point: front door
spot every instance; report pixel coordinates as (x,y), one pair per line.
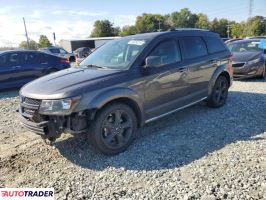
(11,70)
(166,82)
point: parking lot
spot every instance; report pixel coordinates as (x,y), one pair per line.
(197,153)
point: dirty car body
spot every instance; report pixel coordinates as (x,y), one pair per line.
(141,79)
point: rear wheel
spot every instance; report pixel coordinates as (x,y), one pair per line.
(219,92)
(113,129)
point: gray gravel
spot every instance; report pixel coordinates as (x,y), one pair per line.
(198,153)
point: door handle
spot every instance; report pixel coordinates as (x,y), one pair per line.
(16,67)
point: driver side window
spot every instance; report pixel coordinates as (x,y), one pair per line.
(168,52)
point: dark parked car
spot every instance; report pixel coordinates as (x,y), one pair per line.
(248,58)
(20,67)
(126,83)
(58,51)
(82,53)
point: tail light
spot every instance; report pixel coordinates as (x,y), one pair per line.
(64,60)
(230,66)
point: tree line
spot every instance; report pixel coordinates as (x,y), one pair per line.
(255,26)
(43,42)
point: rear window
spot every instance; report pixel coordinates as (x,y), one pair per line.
(193,47)
(55,50)
(214,44)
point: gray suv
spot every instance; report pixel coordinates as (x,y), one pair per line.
(127,83)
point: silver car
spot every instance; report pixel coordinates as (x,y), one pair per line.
(58,51)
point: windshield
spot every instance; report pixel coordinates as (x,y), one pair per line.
(117,54)
(244,46)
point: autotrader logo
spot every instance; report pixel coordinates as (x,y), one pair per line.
(27,193)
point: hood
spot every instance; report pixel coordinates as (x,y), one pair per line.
(70,82)
(246,56)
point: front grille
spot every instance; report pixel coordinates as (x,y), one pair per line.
(238,64)
(29,108)
(31,101)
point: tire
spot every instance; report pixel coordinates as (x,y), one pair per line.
(219,92)
(72,59)
(113,129)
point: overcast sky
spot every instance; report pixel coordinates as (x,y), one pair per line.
(74,19)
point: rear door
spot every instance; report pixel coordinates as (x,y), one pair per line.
(218,52)
(199,66)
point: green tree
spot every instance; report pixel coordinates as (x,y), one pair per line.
(149,23)
(128,30)
(237,30)
(220,26)
(32,45)
(104,28)
(116,31)
(256,26)
(183,19)
(44,42)
(202,21)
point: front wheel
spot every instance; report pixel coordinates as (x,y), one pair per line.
(113,129)
(219,92)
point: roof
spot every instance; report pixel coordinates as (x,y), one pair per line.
(18,50)
(182,31)
(96,38)
(244,40)
(143,35)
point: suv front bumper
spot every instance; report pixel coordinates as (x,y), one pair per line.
(38,128)
(49,126)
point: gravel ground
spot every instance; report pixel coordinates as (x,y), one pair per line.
(197,153)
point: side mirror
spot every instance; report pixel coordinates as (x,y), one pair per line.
(153,61)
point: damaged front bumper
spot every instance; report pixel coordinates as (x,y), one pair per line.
(50,126)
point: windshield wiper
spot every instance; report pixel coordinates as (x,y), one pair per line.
(96,66)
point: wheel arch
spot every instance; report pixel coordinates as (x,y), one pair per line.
(121,95)
(220,71)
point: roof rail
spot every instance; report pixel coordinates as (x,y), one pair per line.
(187,29)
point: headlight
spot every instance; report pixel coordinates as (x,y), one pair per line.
(58,107)
(251,62)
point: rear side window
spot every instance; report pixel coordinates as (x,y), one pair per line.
(193,47)
(34,58)
(31,58)
(214,45)
(168,51)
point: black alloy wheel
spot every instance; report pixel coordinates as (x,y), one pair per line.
(114,129)
(219,93)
